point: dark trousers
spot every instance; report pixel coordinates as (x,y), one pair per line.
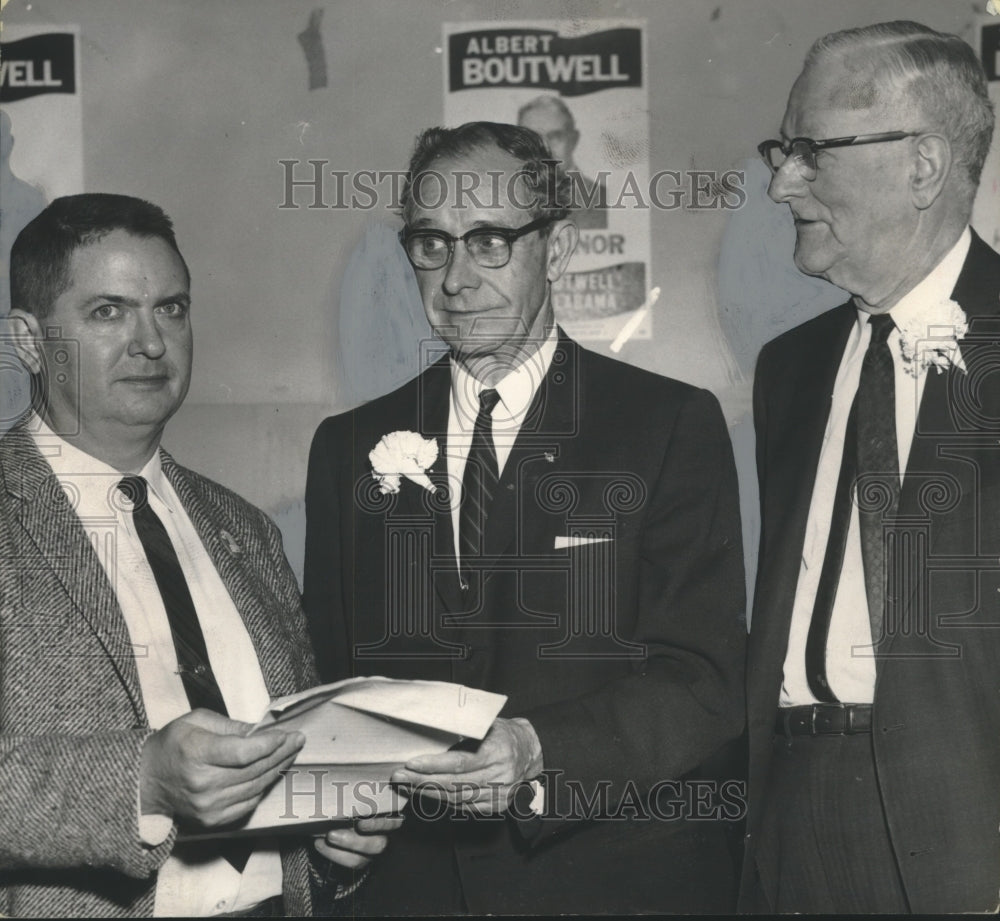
(823,845)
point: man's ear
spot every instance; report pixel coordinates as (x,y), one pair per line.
(27,338)
(933,166)
(563,237)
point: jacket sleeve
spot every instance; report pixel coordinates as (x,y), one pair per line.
(325,560)
(73,801)
(70,796)
(685,699)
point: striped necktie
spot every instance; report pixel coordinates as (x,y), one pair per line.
(479,483)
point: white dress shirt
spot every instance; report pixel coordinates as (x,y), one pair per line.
(517,390)
(184,887)
(850,663)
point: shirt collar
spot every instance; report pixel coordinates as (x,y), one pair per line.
(516,389)
(90,476)
(935,288)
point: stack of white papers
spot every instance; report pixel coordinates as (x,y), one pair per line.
(357,733)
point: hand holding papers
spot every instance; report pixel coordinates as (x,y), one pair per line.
(482,782)
(357,733)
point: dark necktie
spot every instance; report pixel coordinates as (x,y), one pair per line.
(878,463)
(869,446)
(833,562)
(189,642)
(479,483)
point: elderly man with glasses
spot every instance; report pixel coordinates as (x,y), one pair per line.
(874,666)
(544,522)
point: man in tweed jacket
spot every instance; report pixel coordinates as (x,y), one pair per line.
(102,758)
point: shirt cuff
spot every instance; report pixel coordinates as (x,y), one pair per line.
(537,804)
(154,829)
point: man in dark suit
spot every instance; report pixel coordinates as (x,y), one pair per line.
(540,521)
(874,713)
(147,614)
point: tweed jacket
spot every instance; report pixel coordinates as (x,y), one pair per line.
(72,720)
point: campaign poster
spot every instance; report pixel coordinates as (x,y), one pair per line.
(582,86)
(41,157)
(986,212)
(40,98)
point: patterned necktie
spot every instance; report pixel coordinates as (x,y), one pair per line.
(479,483)
(878,463)
(189,642)
(869,449)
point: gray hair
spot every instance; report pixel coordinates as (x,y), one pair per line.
(549,190)
(937,72)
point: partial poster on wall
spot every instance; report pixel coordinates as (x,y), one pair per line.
(41,157)
(986,212)
(582,86)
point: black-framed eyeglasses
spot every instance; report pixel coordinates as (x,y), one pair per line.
(803,150)
(489,247)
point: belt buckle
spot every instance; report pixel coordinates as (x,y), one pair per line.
(832,726)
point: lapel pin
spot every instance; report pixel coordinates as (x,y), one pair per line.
(234,548)
(550,457)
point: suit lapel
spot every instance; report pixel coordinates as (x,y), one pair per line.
(812,403)
(797,411)
(938,416)
(802,422)
(947,394)
(246,580)
(934,418)
(550,413)
(62,547)
(434,405)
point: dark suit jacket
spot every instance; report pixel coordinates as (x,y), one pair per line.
(72,721)
(625,654)
(936,729)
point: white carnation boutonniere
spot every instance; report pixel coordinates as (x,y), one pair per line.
(400,454)
(929,337)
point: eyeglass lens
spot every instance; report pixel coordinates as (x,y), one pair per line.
(431,249)
(800,151)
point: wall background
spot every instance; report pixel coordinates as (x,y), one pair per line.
(192,104)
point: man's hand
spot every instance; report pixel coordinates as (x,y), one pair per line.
(481,782)
(202,768)
(354,847)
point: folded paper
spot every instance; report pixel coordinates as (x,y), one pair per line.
(357,733)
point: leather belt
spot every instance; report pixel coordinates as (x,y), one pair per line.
(824,719)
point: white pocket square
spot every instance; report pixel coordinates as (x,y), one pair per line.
(573,541)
